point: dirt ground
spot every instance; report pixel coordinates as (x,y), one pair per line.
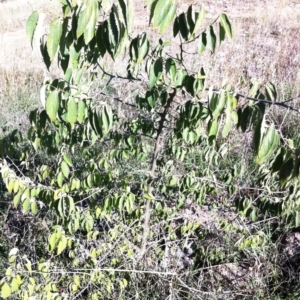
(247,18)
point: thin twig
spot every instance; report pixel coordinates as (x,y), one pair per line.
(117,76)
(79,271)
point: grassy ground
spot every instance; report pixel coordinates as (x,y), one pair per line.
(266,47)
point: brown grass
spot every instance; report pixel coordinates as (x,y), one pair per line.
(266,46)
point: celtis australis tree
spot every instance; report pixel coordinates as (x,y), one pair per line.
(112,156)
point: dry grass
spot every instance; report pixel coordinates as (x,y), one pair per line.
(14,14)
(266,46)
(21,68)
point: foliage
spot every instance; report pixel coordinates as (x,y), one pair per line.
(117,184)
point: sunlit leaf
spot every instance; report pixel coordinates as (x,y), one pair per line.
(268,144)
(31,25)
(60,179)
(72,111)
(34,208)
(68,160)
(52,241)
(155,72)
(202,42)
(199,17)
(52,105)
(211,39)
(85,15)
(5,291)
(26,205)
(54,37)
(81,111)
(65,169)
(62,245)
(226,25)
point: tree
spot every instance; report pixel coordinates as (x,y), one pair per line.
(116,170)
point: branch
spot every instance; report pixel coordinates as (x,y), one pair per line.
(159,142)
(117,76)
(118,100)
(79,271)
(282,104)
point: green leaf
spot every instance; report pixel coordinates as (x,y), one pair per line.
(218,105)
(171,68)
(130,17)
(85,15)
(199,18)
(152,9)
(176,27)
(202,42)
(150,99)
(133,49)
(271,92)
(44,52)
(52,241)
(190,15)
(60,179)
(89,32)
(211,39)
(189,84)
(183,26)
(123,10)
(26,205)
(65,169)
(257,135)
(143,47)
(72,111)
(180,78)
(113,26)
(62,245)
(16,200)
(168,18)
(173,181)
(161,10)
(286,170)
(52,105)
(31,25)
(278,161)
(28,266)
(34,208)
(226,25)
(100,40)
(268,144)
(213,128)
(297,219)
(5,291)
(68,160)
(14,285)
(10,186)
(228,124)
(155,72)
(54,37)
(222,33)
(107,118)
(81,111)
